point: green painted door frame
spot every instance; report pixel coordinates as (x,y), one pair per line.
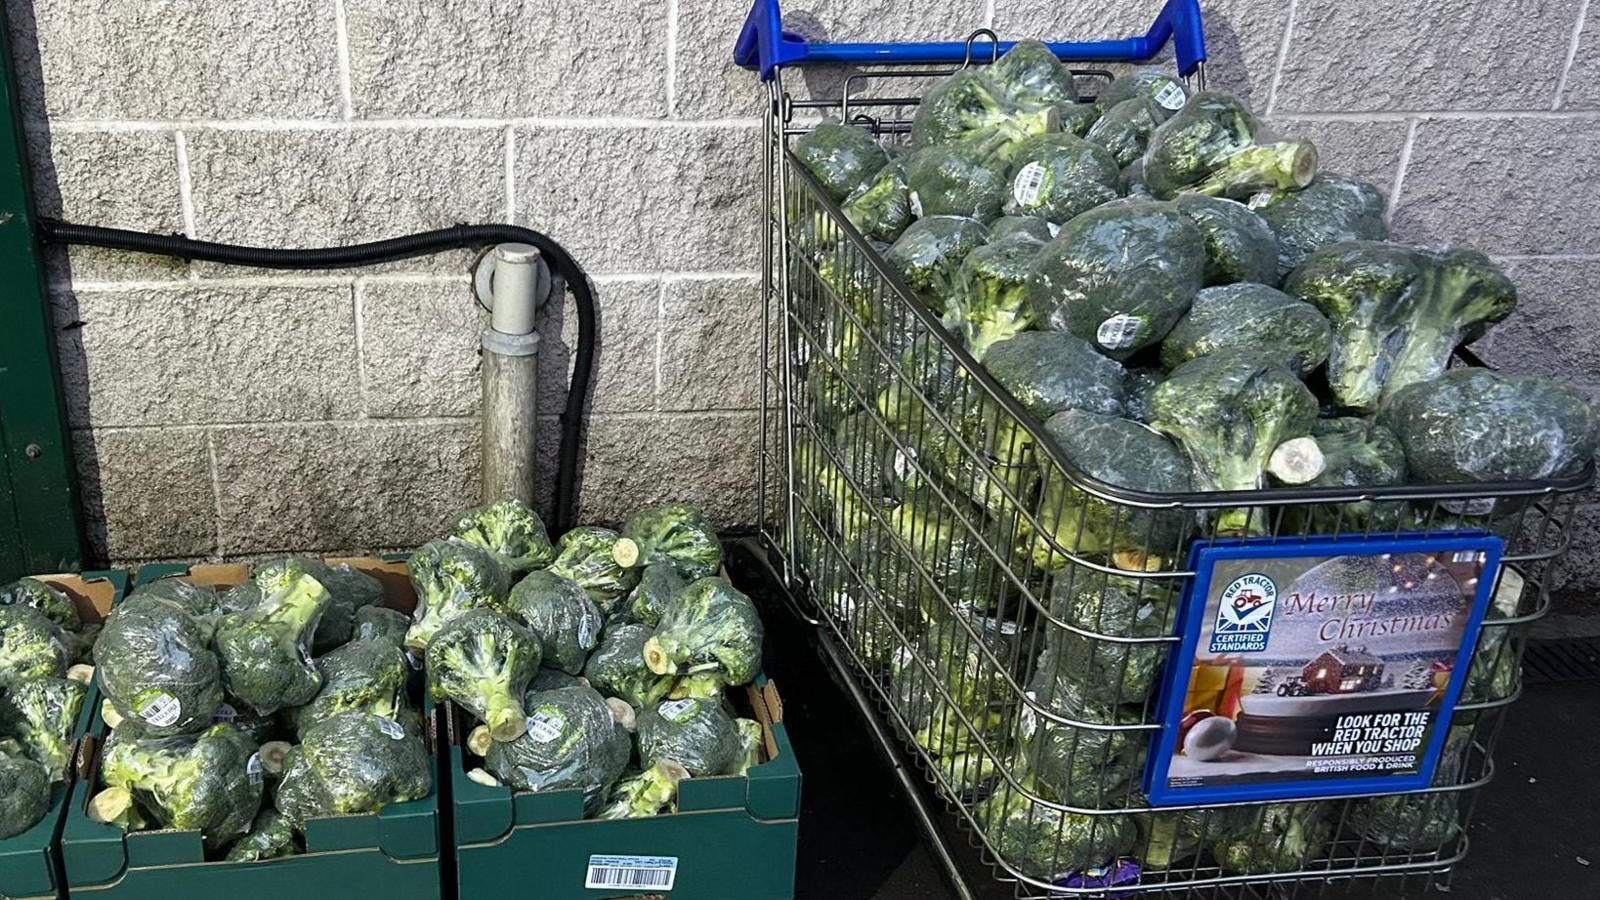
(41,526)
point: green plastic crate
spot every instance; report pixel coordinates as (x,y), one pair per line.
(394,854)
(733,838)
(30,861)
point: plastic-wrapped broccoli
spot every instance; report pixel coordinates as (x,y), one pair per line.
(1049,844)
(198,600)
(31,645)
(618,669)
(1419,821)
(449,578)
(1119,452)
(210,782)
(380,623)
(54,603)
(1250,320)
(841,157)
(1124,130)
(154,663)
(1141,387)
(1272,837)
(484,661)
(24,794)
(1216,146)
(695,734)
(261,729)
(1088,767)
(1051,371)
(1357,453)
(351,764)
(961,664)
(928,254)
(362,675)
(265,651)
(1031,74)
(969,106)
(41,713)
(711,627)
(1330,210)
(560,615)
(1164,90)
(1398,313)
(586,555)
(573,741)
(675,533)
(1118,607)
(1078,118)
(348,590)
(1240,245)
(659,584)
(1167,838)
(1082,282)
(1032,227)
(271,836)
(1472,425)
(511,532)
(881,208)
(646,793)
(1230,412)
(956,180)
(1059,176)
(987,301)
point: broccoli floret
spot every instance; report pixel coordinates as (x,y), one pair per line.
(31,645)
(24,794)
(266,650)
(154,663)
(362,675)
(1030,227)
(986,301)
(711,627)
(1059,176)
(573,741)
(449,578)
(1049,844)
(200,601)
(1082,282)
(210,782)
(1109,672)
(1272,837)
(380,623)
(586,555)
(1215,146)
(928,254)
(47,599)
(645,794)
(674,533)
(881,208)
(696,734)
(1088,767)
(1251,320)
(841,157)
(1330,210)
(511,532)
(1419,821)
(560,615)
(351,764)
(271,836)
(618,669)
(1124,130)
(659,584)
(1078,118)
(483,661)
(1474,425)
(1029,73)
(1051,371)
(1240,245)
(969,106)
(41,714)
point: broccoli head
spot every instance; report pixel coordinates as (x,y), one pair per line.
(1052,371)
(1330,210)
(1216,146)
(198,600)
(348,590)
(952,688)
(362,675)
(154,663)
(881,208)
(674,533)
(1029,73)
(1271,837)
(659,584)
(1034,228)
(266,650)
(1058,176)
(1164,90)
(956,180)
(380,623)
(711,627)
(840,157)
(928,254)
(1474,425)
(587,555)
(1356,453)
(645,794)
(483,661)
(968,106)
(449,578)
(209,782)
(986,301)
(1123,131)
(1111,672)
(46,598)
(573,741)
(24,794)
(1419,822)
(271,836)
(1083,282)
(1251,320)
(560,615)
(351,764)
(1240,245)
(695,734)
(41,714)
(31,645)
(1049,844)
(1087,767)
(618,669)
(511,532)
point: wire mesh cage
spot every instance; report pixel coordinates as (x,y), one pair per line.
(1011,615)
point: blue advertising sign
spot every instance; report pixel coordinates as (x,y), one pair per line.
(1318,668)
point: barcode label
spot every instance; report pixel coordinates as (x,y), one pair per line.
(1260,199)
(1030,181)
(1117,332)
(1172,96)
(612,872)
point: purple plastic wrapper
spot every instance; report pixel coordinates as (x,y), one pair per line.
(1123,871)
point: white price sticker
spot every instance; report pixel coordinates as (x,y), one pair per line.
(1171,96)
(609,873)
(546,725)
(901,465)
(225,713)
(916,205)
(391,728)
(679,711)
(160,709)
(1028,185)
(1118,332)
(253,768)
(1054,228)
(588,632)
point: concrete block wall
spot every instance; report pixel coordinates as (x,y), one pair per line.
(223,412)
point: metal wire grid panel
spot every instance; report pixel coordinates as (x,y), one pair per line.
(1011,615)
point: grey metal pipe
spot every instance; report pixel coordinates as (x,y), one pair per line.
(513,282)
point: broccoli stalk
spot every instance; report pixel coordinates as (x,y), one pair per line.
(1281,166)
(711,628)
(202,783)
(645,794)
(752,738)
(265,650)
(483,661)
(700,686)
(116,806)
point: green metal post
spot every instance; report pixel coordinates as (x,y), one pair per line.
(41,526)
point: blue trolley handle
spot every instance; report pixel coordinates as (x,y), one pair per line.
(764,45)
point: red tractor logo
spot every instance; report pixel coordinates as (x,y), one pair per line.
(1247,599)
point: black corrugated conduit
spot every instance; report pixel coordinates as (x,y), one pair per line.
(459,237)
